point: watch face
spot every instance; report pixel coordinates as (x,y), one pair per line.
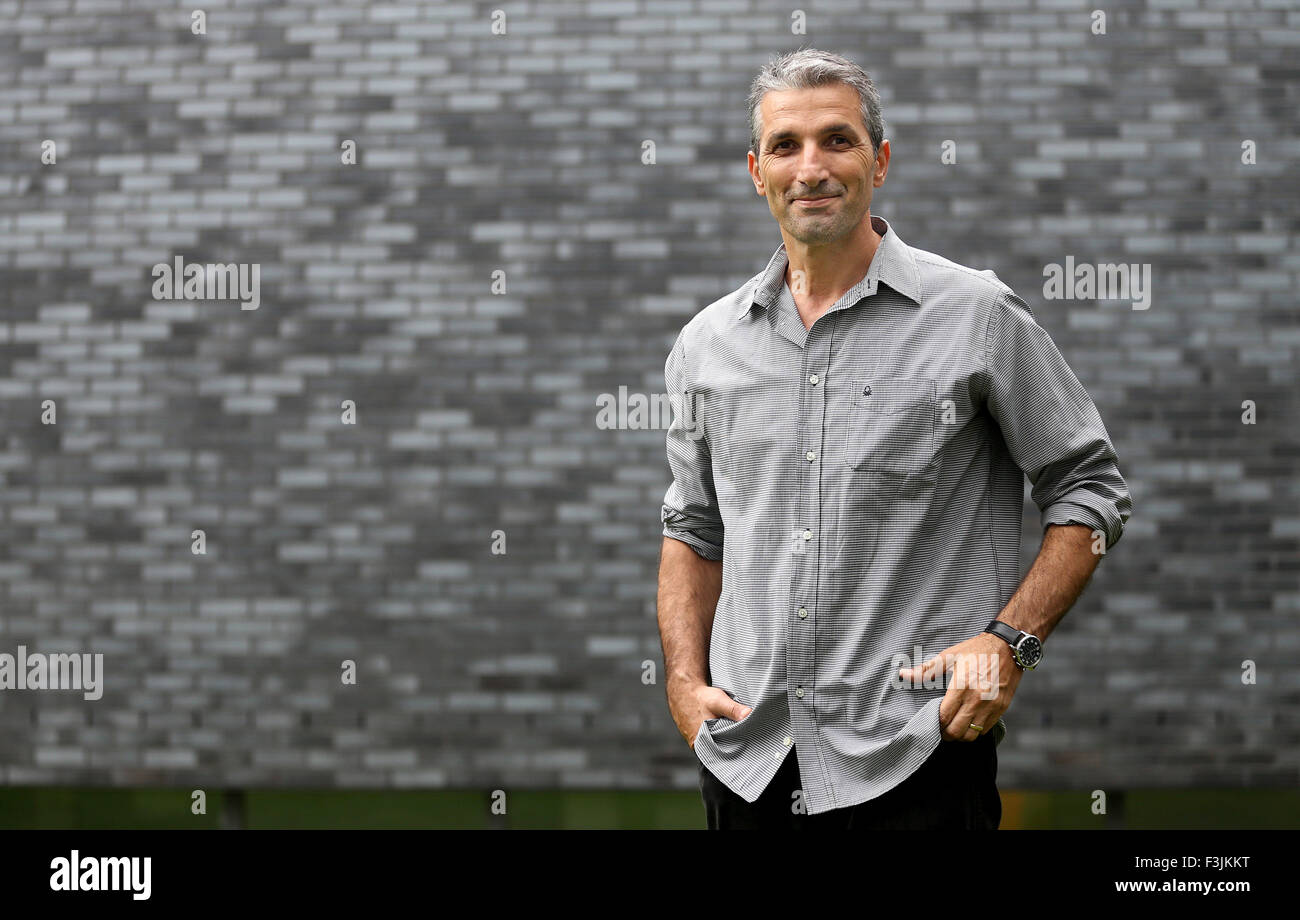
(1029,651)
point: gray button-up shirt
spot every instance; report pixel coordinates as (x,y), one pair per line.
(863,483)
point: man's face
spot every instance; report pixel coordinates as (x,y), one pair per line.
(814,145)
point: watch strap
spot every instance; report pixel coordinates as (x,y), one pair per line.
(1005,631)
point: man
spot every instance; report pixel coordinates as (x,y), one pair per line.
(843,525)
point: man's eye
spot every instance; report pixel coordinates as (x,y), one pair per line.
(837,137)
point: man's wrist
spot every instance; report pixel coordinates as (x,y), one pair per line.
(688,679)
(1026,649)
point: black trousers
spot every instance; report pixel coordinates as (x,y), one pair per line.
(955,789)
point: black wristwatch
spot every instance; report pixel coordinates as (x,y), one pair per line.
(1027,649)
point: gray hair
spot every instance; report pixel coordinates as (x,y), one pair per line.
(809,68)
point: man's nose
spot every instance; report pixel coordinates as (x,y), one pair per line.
(812,174)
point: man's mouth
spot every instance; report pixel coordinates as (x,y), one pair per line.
(814,200)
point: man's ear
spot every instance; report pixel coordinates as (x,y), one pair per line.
(755,176)
(882,164)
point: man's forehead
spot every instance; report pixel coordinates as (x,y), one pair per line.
(798,108)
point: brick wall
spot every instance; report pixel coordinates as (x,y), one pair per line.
(475,393)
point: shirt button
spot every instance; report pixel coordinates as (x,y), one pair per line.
(799,692)
(814,380)
(787,741)
(803,613)
(811,455)
(807,534)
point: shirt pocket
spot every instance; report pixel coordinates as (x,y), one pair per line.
(890,425)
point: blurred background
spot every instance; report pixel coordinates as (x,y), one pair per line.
(363,556)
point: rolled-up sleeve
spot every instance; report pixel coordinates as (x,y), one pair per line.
(1050,424)
(690,507)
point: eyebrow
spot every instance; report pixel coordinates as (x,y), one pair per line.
(842,127)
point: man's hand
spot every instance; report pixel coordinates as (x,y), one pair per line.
(691,704)
(984,679)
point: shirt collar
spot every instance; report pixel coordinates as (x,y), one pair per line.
(892,264)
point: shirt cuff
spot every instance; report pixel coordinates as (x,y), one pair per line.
(695,534)
(1073,511)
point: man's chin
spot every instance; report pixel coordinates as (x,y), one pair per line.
(816,231)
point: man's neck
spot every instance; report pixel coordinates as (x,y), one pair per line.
(818,276)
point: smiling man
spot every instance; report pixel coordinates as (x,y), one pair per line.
(838,600)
